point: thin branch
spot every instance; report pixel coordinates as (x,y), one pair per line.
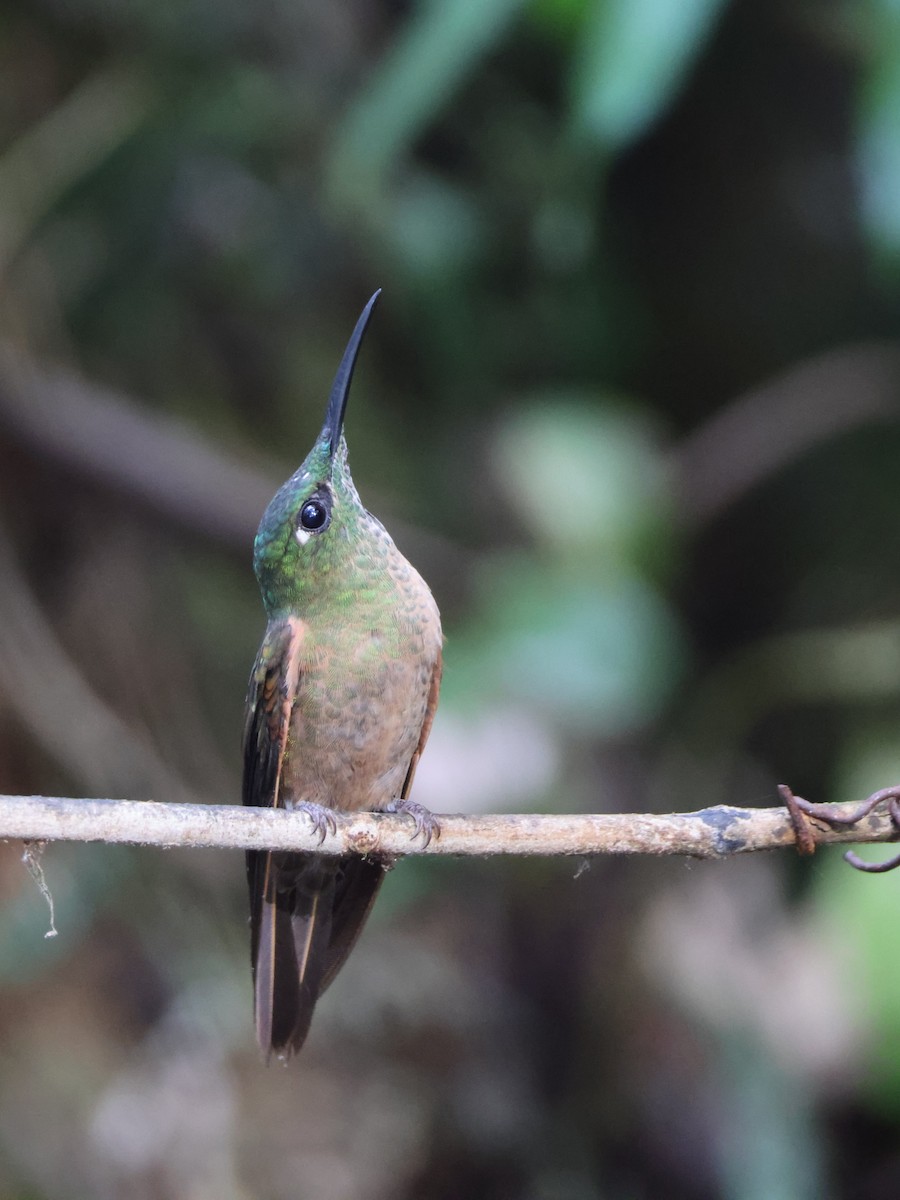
(107,437)
(163,463)
(711,833)
(762,431)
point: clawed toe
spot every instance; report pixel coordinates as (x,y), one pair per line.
(427,824)
(322,819)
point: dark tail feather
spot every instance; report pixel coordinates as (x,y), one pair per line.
(292,900)
(306,913)
(356,886)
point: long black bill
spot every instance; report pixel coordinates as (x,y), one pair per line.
(340,389)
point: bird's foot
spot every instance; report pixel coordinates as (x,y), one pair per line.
(800,810)
(321,818)
(427,824)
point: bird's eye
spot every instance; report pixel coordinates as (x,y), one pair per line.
(314,516)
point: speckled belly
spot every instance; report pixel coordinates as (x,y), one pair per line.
(357,719)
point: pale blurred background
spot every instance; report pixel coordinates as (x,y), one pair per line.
(631,402)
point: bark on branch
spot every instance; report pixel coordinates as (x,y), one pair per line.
(710,833)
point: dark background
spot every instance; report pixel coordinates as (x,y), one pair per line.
(631,402)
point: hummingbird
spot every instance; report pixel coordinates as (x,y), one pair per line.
(341,700)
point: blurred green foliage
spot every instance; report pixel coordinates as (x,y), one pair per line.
(630,404)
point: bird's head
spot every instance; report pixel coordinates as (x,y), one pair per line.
(314,519)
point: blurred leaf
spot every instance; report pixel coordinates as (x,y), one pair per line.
(597,657)
(879,145)
(772,1149)
(585,478)
(861,912)
(434,227)
(560,16)
(426,64)
(633,57)
(66,144)
(574,630)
